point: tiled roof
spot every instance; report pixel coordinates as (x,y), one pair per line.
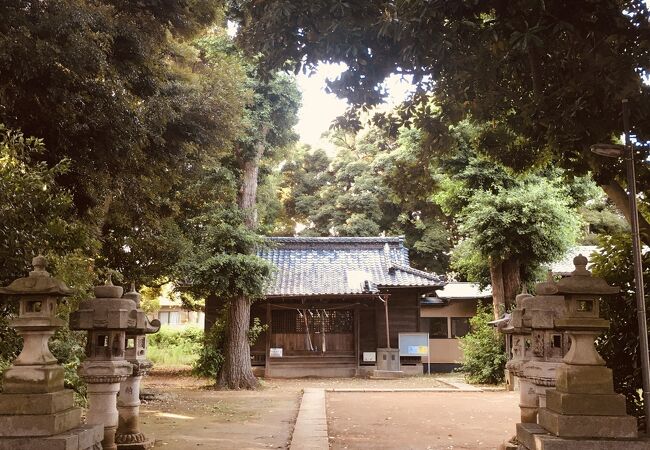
(456,290)
(565,266)
(341,265)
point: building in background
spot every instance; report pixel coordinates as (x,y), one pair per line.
(325,308)
(446,317)
(171,312)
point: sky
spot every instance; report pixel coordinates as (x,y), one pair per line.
(319,109)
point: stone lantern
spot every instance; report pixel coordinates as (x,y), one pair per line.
(544,348)
(36,412)
(518,334)
(583,412)
(128,434)
(106,318)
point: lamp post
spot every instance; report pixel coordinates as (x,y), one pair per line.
(616,151)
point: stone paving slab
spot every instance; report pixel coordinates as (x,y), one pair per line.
(401,390)
(310,431)
(459,385)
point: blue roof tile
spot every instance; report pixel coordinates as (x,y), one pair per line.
(341,265)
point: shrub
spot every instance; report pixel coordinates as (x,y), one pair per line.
(484,350)
(211,355)
(174,347)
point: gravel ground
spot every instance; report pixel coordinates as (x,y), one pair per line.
(422,420)
(187,413)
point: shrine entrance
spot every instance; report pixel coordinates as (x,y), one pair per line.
(313,331)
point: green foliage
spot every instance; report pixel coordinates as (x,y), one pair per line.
(530,223)
(174,347)
(68,348)
(619,345)
(222,261)
(484,355)
(35,211)
(211,355)
(362,192)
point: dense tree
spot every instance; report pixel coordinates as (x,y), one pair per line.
(34,209)
(363,191)
(114,88)
(546,77)
(270,112)
(619,345)
(516,230)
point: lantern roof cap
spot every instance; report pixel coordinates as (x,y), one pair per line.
(39,282)
(582,282)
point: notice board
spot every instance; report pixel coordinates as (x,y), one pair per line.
(413,344)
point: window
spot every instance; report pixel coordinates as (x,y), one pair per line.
(163,316)
(174,317)
(459,326)
(436,326)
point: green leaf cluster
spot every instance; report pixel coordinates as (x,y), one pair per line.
(619,345)
(484,354)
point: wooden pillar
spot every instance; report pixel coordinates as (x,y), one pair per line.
(269,330)
(357,330)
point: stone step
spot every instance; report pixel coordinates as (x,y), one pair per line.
(85,437)
(386,374)
(585,404)
(40,425)
(533,437)
(587,426)
(49,403)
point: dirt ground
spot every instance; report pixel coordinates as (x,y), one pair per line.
(422,420)
(186,413)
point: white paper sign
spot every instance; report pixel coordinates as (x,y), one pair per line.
(369,356)
(275,353)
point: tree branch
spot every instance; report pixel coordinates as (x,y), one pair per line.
(619,197)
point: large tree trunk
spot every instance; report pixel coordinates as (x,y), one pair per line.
(511,281)
(248,191)
(236,372)
(498,291)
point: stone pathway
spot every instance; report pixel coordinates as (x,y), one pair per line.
(310,431)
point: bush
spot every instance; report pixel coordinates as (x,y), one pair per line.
(619,345)
(484,350)
(211,355)
(175,347)
(68,348)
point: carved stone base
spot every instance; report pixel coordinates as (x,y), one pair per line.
(85,437)
(143,445)
(533,437)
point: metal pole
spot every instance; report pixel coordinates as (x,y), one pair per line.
(638,266)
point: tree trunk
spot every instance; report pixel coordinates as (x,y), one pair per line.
(619,197)
(498,291)
(511,281)
(248,192)
(236,372)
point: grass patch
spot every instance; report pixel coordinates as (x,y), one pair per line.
(175,347)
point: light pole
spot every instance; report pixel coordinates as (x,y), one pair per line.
(616,151)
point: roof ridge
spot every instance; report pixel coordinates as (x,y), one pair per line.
(414,271)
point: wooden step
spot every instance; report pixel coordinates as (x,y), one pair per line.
(316,361)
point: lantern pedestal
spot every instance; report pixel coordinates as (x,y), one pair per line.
(583,411)
(36,412)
